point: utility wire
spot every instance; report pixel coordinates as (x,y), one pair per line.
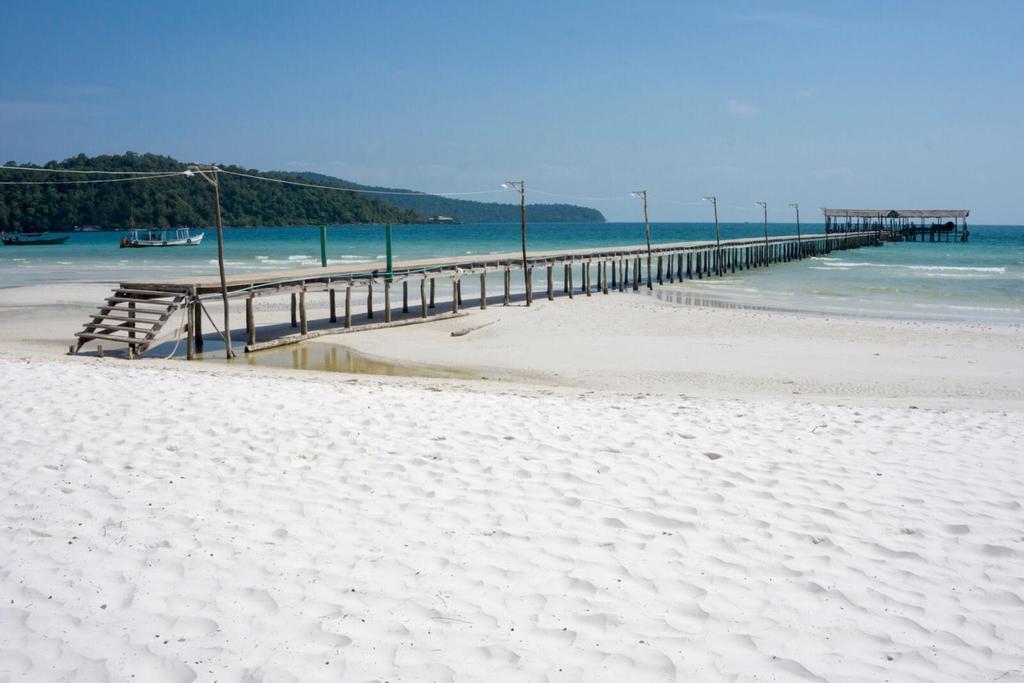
(151,175)
(579,199)
(37,169)
(353,189)
(90,182)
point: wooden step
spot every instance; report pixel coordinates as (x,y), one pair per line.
(149,292)
(126,318)
(138,309)
(140,335)
(86,336)
(128,299)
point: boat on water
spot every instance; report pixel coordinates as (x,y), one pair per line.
(155,237)
(24,239)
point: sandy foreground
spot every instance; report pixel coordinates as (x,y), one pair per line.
(696,495)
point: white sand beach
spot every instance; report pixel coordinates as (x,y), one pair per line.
(640,492)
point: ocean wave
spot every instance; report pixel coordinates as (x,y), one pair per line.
(910,266)
(972,269)
(300,257)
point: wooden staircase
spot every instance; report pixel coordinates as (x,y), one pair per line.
(131,316)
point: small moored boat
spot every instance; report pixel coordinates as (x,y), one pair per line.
(24,239)
(155,237)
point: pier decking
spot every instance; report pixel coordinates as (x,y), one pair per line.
(137,311)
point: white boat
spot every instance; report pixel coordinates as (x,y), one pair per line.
(156,237)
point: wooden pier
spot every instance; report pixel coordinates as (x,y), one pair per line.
(138,310)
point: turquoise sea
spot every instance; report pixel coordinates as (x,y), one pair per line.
(981,280)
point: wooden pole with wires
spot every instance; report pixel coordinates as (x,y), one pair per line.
(209,174)
(520,186)
(642,194)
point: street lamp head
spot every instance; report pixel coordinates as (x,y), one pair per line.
(639,194)
(763,205)
(710,198)
(794,205)
(512,185)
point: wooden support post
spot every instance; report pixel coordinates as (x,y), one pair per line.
(197,320)
(369,298)
(334,308)
(304,321)
(483,290)
(423,297)
(700,266)
(387,300)
(660,281)
(586,278)
(622,273)
(455,295)
(250,321)
(732,259)
(529,285)
(637,275)
(604,265)
(565,277)
(405,296)
(551,282)
(615,267)
(295,307)
(432,292)
(348,305)
(131,325)
(568,279)
(508,287)
(669,269)
(189,331)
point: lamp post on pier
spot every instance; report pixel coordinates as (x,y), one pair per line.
(718,241)
(520,185)
(642,194)
(799,241)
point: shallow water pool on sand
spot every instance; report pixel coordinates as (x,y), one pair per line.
(332,358)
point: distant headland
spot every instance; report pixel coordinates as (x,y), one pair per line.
(169,202)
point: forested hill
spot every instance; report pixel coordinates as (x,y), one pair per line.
(182,201)
(174,201)
(472,211)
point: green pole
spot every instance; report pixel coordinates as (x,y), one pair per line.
(323,246)
(387,239)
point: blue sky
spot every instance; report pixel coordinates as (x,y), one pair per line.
(864,104)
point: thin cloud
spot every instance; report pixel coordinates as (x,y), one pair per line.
(777,19)
(842,174)
(81,90)
(30,108)
(740,108)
